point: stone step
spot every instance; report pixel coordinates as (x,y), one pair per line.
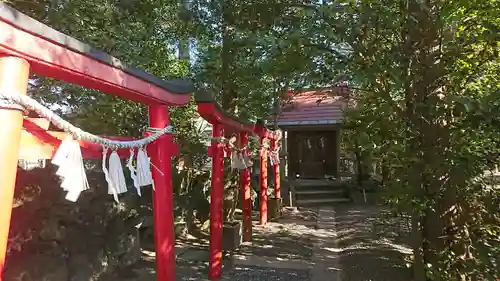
(314,183)
(320,187)
(319,191)
(322,201)
(312,194)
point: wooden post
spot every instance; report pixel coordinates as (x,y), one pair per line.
(216,204)
(163,201)
(338,139)
(14,74)
(276,172)
(263,181)
(284,151)
(246,193)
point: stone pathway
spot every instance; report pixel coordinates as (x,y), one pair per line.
(280,251)
(326,259)
(339,243)
(345,242)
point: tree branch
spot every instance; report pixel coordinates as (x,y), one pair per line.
(321,47)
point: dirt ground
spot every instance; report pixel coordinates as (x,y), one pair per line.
(371,249)
(360,246)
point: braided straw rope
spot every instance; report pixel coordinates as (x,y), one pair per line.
(76,132)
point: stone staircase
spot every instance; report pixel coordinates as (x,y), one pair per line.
(309,193)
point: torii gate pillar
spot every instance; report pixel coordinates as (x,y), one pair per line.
(14,74)
(163,200)
(263,181)
(246,192)
(216,204)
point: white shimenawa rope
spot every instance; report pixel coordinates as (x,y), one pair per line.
(76,132)
(69,158)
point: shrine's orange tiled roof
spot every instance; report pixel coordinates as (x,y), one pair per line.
(315,107)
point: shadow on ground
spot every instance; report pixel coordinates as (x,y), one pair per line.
(363,249)
(369,250)
(186,270)
(281,242)
(257,273)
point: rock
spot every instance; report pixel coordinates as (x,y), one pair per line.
(132,254)
(126,273)
(123,244)
(147,222)
(82,269)
(130,200)
(180,228)
(59,273)
(52,269)
(18,274)
(39,268)
(51,230)
(77,241)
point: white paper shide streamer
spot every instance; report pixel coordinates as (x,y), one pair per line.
(69,159)
(237,160)
(133,172)
(240,160)
(274,157)
(144,176)
(114,174)
(141,176)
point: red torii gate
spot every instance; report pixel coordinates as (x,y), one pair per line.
(222,124)
(274,137)
(28,45)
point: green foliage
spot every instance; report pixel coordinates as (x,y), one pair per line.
(426,74)
(426,70)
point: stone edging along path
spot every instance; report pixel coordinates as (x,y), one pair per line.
(325,252)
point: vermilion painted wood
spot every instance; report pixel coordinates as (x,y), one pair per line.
(49,59)
(210,113)
(35,124)
(223,123)
(173,147)
(273,136)
(209,151)
(263,183)
(276,172)
(246,192)
(226,150)
(216,205)
(52,58)
(14,73)
(264,132)
(163,200)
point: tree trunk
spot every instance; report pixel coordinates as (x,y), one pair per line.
(422,52)
(184,53)
(229,95)
(417,243)
(190,223)
(359,165)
